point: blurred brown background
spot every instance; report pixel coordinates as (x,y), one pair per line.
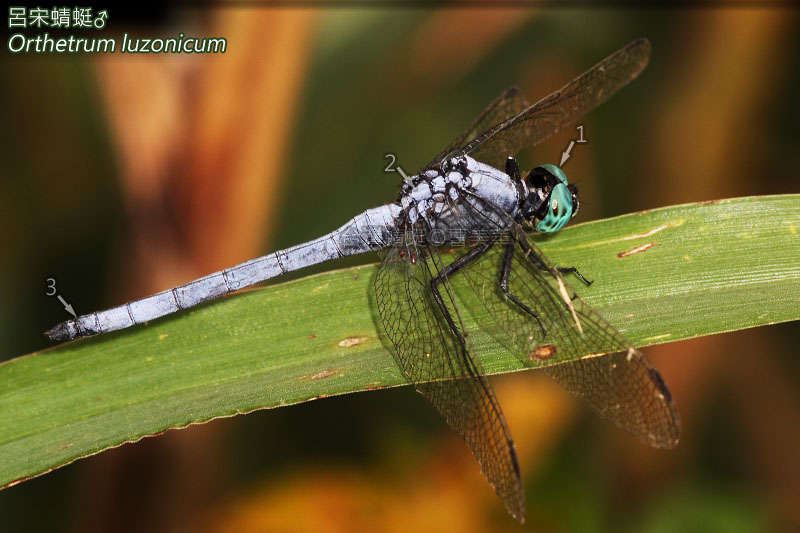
(127,175)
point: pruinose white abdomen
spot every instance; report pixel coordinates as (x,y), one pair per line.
(371,230)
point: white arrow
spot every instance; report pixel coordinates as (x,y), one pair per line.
(566,153)
(405,176)
(67,306)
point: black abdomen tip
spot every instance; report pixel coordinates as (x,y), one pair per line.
(60,332)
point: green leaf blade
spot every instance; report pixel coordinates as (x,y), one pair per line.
(660,276)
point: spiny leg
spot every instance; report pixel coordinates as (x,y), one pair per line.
(530,254)
(573,270)
(564,270)
(452,268)
(505,271)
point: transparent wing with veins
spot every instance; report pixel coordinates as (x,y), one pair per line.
(563,335)
(443,369)
(533,124)
(507,105)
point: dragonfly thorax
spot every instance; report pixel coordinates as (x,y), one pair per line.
(442,196)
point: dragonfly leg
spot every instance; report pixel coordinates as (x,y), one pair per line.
(503,283)
(573,270)
(530,254)
(450,269)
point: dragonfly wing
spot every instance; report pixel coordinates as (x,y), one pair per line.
(538,122)
(442,369)
(507,105)
(568,339)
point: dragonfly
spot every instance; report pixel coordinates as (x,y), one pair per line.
(463,222)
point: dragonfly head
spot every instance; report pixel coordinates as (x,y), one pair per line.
(551,201)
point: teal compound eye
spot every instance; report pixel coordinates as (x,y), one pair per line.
(560,205)
(559,209)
